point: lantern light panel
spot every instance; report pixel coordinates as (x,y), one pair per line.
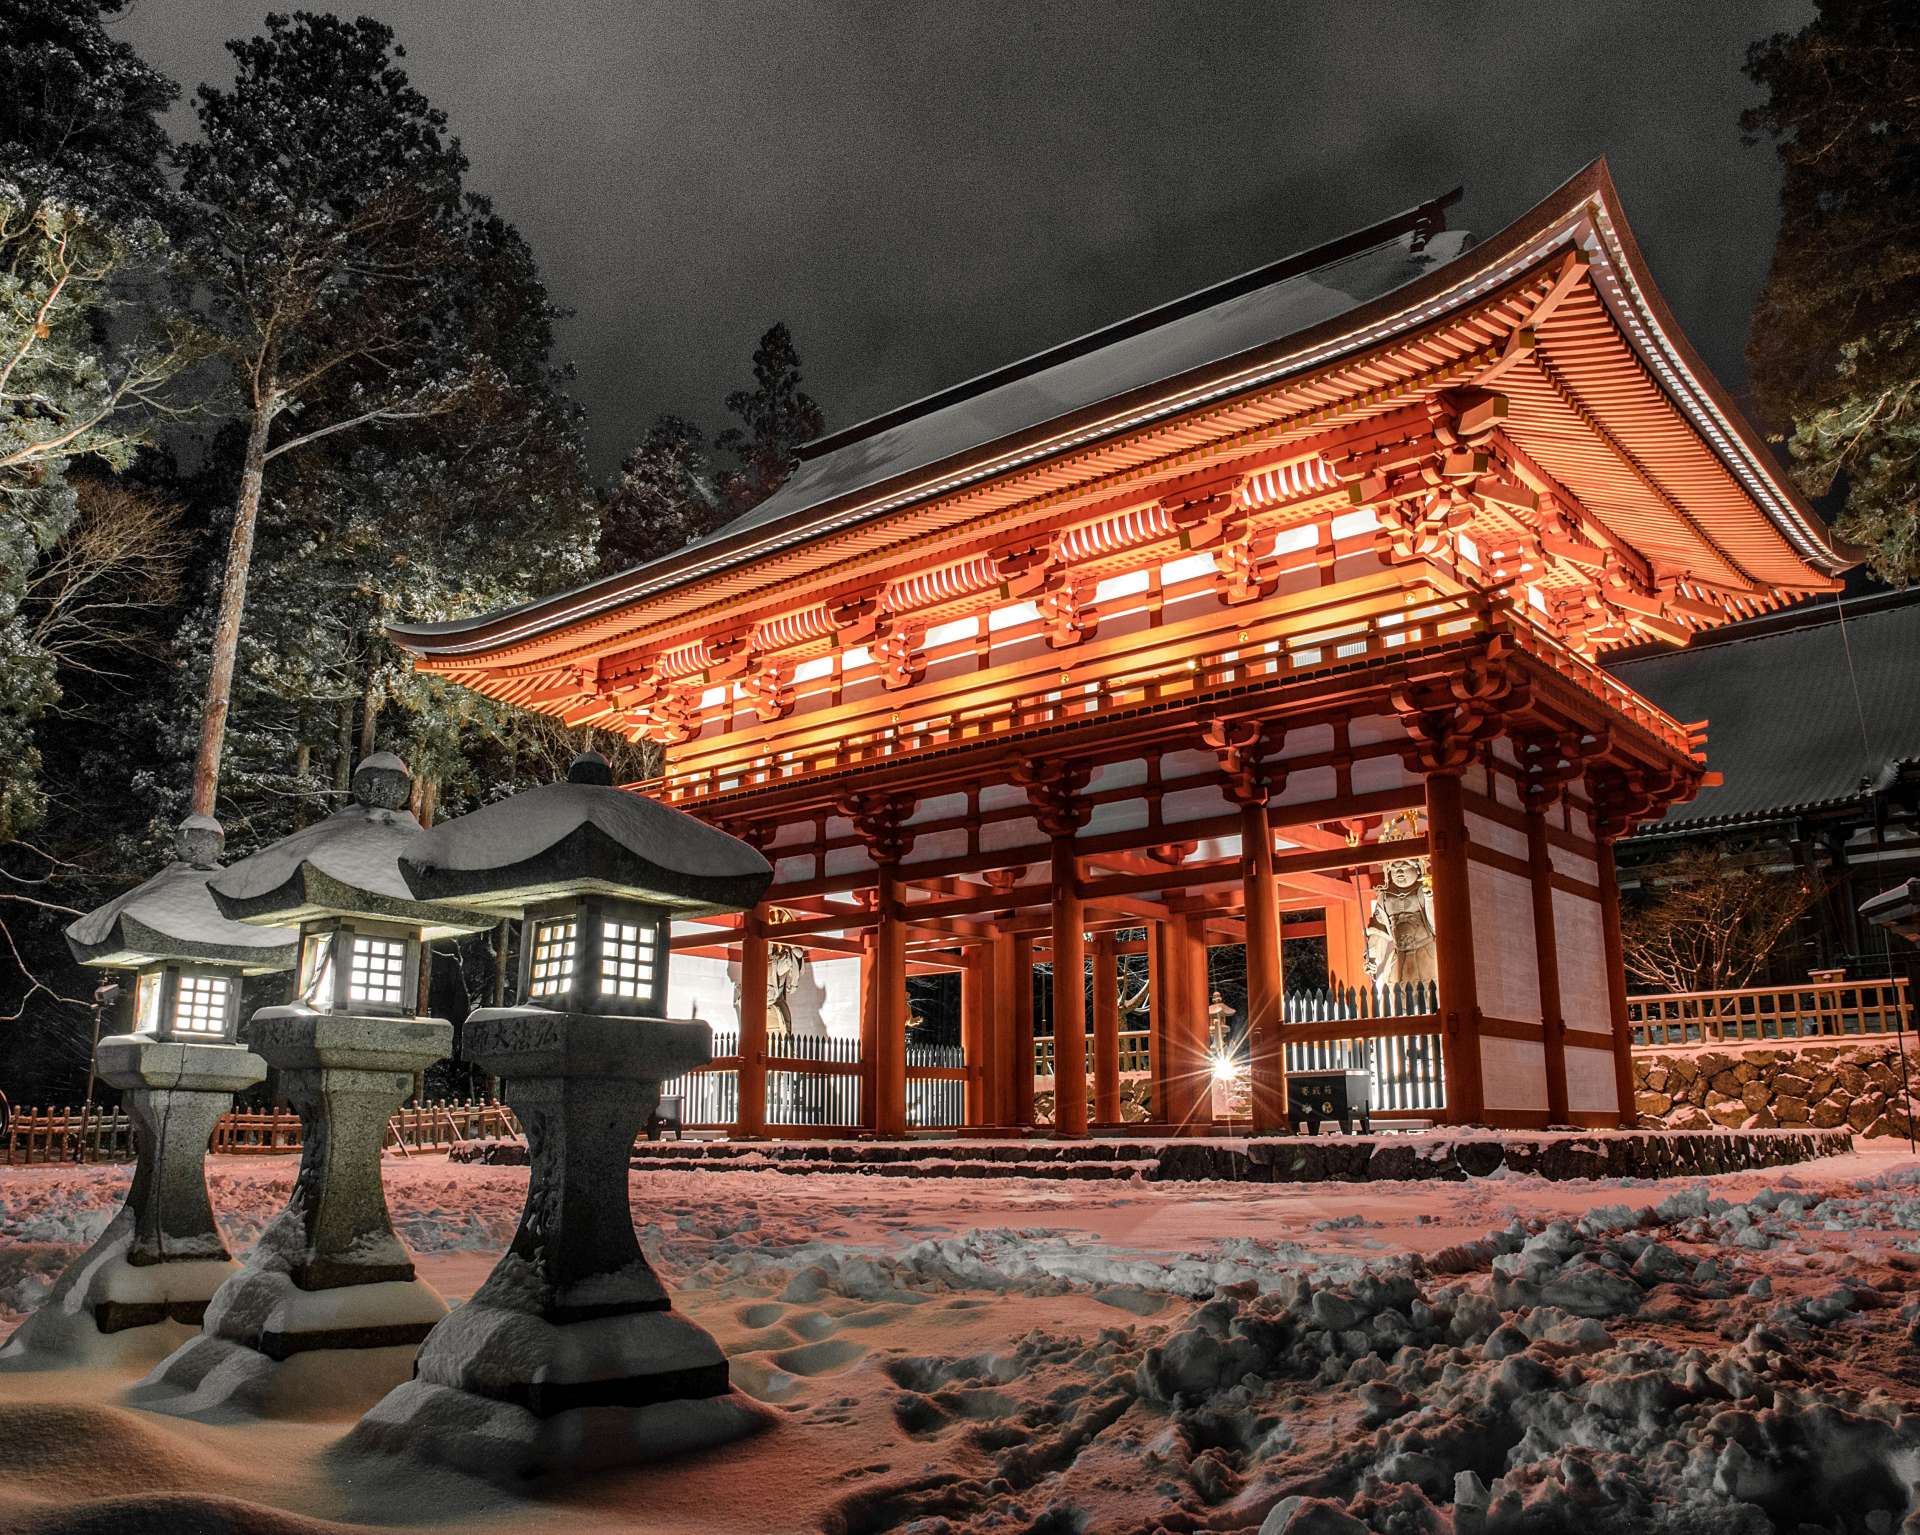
(180,1001)
(354,966)
(595,954)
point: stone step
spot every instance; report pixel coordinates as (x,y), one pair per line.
(1452,1155)
(881,1152)
(1096,1172)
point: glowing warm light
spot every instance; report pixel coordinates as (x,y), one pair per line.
(1225,1069)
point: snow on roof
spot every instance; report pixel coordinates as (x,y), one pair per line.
(346,865)
(1255,309)
(1114,361)
(172,915)
(582,835)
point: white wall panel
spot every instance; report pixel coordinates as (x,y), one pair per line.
(1591,1088)
(1506,965)
(1484,832)
(1309,785)
(1372,774)
(1580,940)
(1513,1073)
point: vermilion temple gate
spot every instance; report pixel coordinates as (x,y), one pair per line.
(1196,622)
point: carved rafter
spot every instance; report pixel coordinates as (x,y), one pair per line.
(769,689)
(900,655)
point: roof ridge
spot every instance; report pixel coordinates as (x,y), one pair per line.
(1426,219)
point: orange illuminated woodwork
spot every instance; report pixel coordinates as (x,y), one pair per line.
(1157,637)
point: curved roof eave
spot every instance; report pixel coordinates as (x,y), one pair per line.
(1647,321)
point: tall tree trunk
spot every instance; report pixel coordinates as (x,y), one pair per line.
(369,708)
(233,601)
(343,747)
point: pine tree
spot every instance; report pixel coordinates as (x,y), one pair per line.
(439,517)
(1835,342)
(329,240)
(776,417)
(80,111)
(663,499)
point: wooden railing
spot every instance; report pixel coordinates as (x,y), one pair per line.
(1135,1056)
(106,1135)
(816,1081)
(1302,643)
(1391,1031)
(1820,1008)
(256,1132)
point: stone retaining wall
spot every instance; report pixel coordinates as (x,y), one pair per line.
(1858,1086)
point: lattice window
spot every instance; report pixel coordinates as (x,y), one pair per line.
(555,946)
(378,971)
(200,1004)
(627,960)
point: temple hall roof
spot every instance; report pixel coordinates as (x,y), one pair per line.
(1808,710)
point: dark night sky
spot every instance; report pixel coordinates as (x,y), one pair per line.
(922,191)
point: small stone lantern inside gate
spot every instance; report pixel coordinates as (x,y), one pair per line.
(329,1273)
(162,1256)
(570,1356)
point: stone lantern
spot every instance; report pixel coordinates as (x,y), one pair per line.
(162,1256)
(1897,910)
(329,1273)
(570,1356)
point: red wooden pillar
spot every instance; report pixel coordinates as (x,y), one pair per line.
(890,1007)
(1546,948)
(976,1002)
(1106,1031)
(996,1000)
(1346,942)
(1069,993)
(751,1122)
(1021,980)
(869,1098)
(1453,941)
(881,821)
(1195,1058)
(1266,1065)
(1054,789)
(1616,981)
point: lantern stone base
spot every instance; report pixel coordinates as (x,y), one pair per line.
(162,1257)
(329,1275)
(569,1357)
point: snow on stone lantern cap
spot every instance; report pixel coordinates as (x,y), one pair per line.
(345,866)
(584,837)
(1898,908)
(173,916)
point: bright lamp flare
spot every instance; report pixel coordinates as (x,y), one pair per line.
(1225,1068)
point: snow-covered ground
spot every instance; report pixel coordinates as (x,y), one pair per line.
(1733,1355)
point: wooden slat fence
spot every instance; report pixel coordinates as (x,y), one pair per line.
(106,1135)
(67,1134)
